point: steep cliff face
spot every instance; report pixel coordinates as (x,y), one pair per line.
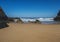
(57,18)
(3,16)
(3,19)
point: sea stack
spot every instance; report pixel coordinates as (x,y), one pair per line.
(57,18)
(3,19)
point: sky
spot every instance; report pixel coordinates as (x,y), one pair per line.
(30,8)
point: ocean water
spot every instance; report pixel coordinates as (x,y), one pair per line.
(50,22)
(45,21)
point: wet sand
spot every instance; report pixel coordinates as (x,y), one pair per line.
(30,33)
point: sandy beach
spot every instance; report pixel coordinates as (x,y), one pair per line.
(30,33)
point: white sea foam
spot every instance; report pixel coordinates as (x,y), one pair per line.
(40,19)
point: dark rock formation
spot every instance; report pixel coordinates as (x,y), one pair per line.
(3,19)
(57,18)
(12,19)
(36,22)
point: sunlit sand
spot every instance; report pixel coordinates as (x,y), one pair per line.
(30,33)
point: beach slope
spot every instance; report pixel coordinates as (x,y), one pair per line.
(30,33)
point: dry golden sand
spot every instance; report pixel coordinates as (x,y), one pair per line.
(30,33)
